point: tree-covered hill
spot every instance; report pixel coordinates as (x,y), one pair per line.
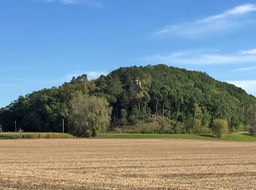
(157,99)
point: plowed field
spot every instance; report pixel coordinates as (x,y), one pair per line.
(126,164)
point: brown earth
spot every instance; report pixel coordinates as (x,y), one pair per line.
(126,164)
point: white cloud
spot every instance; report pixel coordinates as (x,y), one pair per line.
(228,20)
(203,58)
(93,75)
(90,75)
(64,1)
(242,9)
(249,52)
(91,3)
(247,85)
(236,11)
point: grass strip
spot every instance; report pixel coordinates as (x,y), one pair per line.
(12,135)
(227,137)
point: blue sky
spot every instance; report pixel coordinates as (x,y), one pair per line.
(43,43)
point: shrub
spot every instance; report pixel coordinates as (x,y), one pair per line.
(88,133)
(203,130)
(180,128)
(220,127)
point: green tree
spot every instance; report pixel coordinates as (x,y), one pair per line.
(88,115)
(197,119)
(251,120)
(206,118)
(123,119)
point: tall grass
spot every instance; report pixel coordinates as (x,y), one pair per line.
(239,137)
(11,135)
(228,137)
(151,136)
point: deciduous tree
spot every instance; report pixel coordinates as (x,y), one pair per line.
(220,127)
(88,115)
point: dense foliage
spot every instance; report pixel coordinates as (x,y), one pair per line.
(88,115)
(151,99)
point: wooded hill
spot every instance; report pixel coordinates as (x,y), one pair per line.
(150,99)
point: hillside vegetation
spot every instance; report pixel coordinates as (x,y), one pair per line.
(150,99)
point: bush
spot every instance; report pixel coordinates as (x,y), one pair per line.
(220,127)
(203,130)
(88,133)
(180,128)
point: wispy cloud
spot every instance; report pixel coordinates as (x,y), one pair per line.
(201,57)
(90,75)
(225,21)
(249,52)
(245,69)
(64,1)
(91,3)
(247,85)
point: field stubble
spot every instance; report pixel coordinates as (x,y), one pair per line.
(126,164)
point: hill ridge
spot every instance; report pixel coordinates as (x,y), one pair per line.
(183,101)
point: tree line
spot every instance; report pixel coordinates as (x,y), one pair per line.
(150,99)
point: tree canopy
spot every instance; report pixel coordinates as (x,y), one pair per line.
(88,115)
(189,101)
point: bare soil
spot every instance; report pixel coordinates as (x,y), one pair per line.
(126,164)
